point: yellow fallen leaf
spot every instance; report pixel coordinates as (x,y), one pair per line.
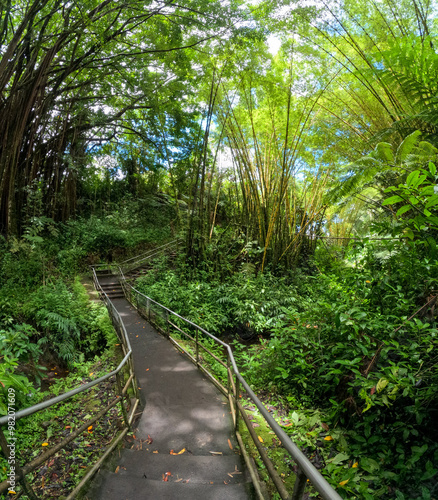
(155,451)
(90,428)
(92,373)
(343,483)
(45,444)
(230,445)
(117,469)
(260,439)
(355,465)
(177,453)
(328,438)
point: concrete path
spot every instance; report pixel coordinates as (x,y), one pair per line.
(184,446)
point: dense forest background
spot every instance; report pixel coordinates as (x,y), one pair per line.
(292,147)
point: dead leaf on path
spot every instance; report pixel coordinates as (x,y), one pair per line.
(216,452)
(177,453)
(178,480)
(231,475)
(149,440)
(117,469)
(155,451)
(260,439)
(230,445)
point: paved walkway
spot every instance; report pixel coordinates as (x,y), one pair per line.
(183,413)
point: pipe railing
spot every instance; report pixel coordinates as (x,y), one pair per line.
(163,318)
(121,387)
(130,264)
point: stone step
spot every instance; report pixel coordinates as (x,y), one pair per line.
(185,467)
(103,272)
(119,487)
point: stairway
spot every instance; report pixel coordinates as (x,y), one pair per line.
(113,289)
(183,446)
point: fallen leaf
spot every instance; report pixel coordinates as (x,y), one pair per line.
(216,452)
(260,439)
(45,444)
(343,483)
(117,469)
(147,369)
(355,465)
(328,438)
(230,445)
(92,373)
(155,451)
(373,390)
(289,424)
(325,426)
(149,440)
(231,475)
(67,427)
(177,453)
(90,428)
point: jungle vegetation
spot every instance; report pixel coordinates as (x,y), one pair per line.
(293,147)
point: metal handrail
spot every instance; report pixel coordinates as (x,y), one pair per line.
(305,468)
(133,262)
(126,361)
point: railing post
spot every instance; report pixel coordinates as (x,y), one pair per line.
(197,346)
(236,403)
(26,486)
(167,323)
(119,390)
(300,484)
(228,374)
(148,309)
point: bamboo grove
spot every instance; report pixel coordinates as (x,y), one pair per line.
(166,90)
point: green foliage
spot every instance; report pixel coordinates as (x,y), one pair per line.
(375,368)
(245,301)
(418,195)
